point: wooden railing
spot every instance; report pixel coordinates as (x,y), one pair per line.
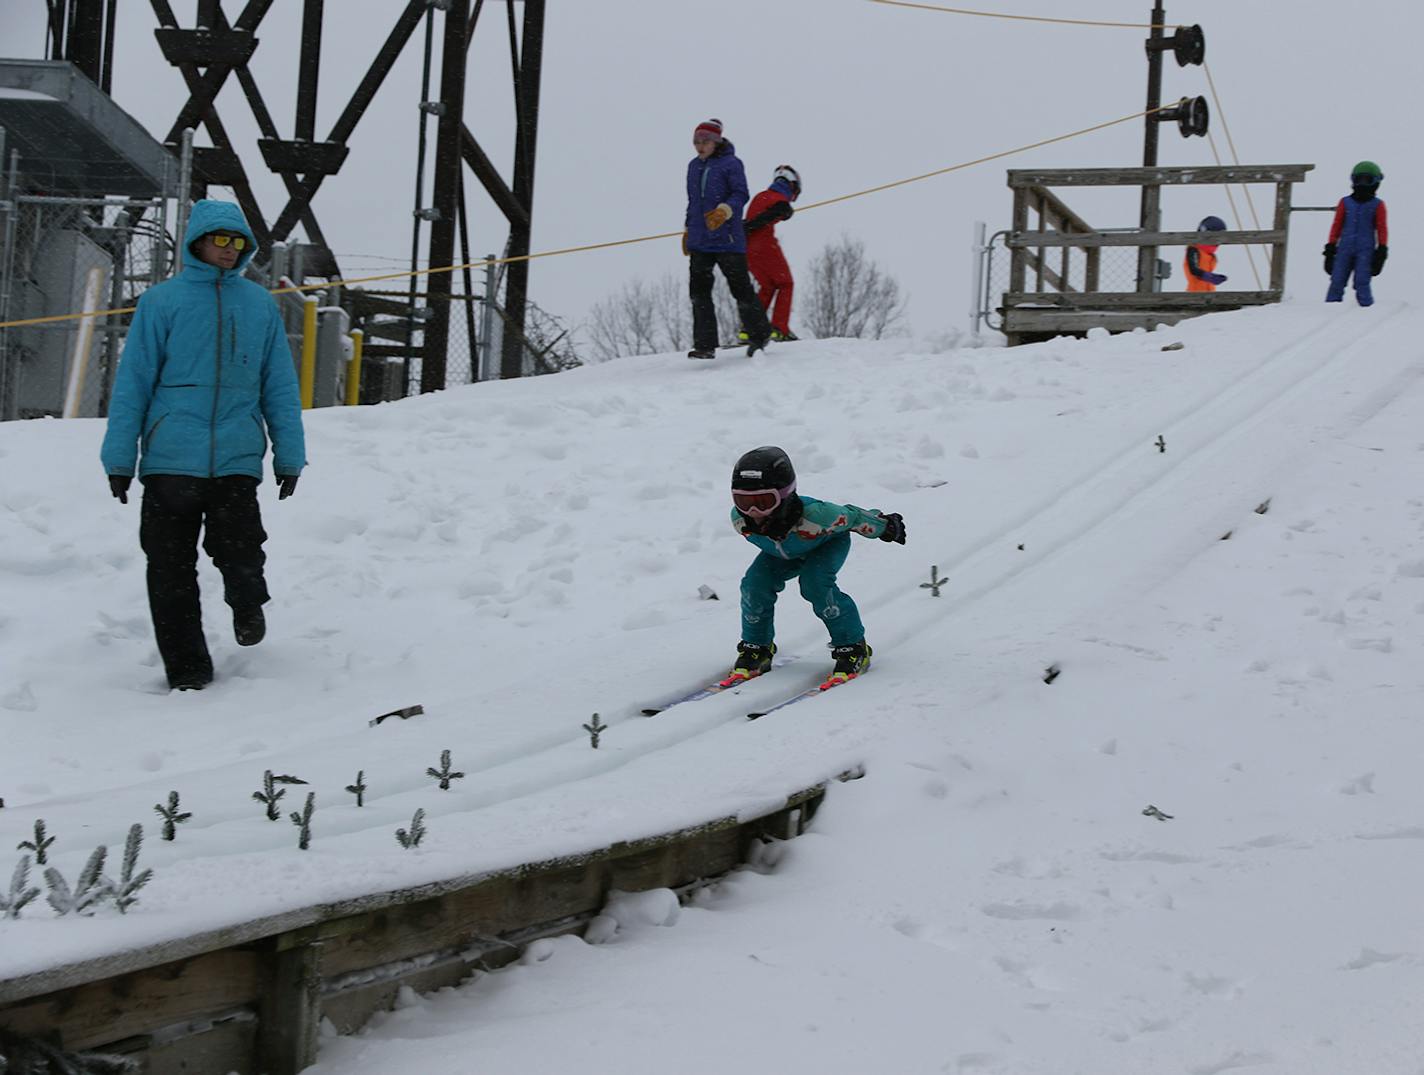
(1044,297)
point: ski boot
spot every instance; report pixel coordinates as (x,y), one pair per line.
(788,336)
(742,336)
(702,352)
(851,661)
(752,661)
(759,344)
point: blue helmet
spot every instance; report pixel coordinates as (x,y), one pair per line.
(1212,223)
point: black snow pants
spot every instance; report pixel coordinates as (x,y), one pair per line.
(175,508)
(739,281)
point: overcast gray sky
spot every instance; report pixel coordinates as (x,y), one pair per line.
(852,94)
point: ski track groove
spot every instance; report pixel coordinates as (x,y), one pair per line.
(1249,400)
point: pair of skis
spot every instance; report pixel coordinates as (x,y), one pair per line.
(733,681)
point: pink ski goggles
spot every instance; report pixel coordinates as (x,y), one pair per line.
(759,503)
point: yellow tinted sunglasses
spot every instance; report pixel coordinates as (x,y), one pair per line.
(237,242)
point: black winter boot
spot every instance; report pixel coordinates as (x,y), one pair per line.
(249,625)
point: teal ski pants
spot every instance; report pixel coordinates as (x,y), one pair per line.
(816,573)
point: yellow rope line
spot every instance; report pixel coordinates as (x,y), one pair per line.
(983,160)
(406,274)
(1026,18)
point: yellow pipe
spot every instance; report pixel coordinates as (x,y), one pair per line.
(308,374)
(353,369)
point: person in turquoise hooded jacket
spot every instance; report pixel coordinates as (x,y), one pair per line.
(205,378)
(798,537)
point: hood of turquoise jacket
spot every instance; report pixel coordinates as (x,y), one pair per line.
(208,215)
(206,373)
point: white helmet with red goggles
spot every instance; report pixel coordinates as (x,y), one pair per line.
(792,176)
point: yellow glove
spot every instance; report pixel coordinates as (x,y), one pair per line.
(685,251)
(717,217)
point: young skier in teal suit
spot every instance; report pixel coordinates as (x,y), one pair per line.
(799,538)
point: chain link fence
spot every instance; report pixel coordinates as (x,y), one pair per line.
(1116,271)
(61,256)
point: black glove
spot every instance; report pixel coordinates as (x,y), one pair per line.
(779,211)
(287,483)
(1377,262)
(1329,253)
(119,486)
(894,529)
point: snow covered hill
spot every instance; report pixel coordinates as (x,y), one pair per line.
(991,898)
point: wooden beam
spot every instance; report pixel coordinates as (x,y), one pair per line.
(1158,300)
(1141,238)
(1136,177)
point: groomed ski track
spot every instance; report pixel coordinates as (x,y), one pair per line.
(1228,439)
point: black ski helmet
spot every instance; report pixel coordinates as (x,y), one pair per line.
(767,467)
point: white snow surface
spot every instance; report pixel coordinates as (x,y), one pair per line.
(990,897)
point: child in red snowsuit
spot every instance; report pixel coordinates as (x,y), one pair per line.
(764,256)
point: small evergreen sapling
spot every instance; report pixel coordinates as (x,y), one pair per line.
(270,794)
(21,891)
(40,844)
(417,831)
(444,774)
(91,889)
(358,789)
(170,815)
(303,821)
(595,730)
(126,891)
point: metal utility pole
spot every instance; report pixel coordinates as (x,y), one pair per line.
(445,198)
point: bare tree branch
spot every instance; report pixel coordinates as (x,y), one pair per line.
(849,296)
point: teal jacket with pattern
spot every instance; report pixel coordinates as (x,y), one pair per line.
(820,521)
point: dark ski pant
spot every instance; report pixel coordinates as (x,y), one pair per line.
(1358,262)
(175,509)
(816,573)
(739,282)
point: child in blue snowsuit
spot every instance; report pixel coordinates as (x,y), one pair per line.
(1359,236)
(799,538)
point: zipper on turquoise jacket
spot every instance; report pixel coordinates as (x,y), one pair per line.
(217,388)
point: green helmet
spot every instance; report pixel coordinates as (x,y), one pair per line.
(1366,174)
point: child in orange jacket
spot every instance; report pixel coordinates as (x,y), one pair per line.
(1200,262)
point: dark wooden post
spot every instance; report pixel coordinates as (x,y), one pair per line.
(1039,264)
(289,1015)
(1017,256)
(1282,225)
(1151,216)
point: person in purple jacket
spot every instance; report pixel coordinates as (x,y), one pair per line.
(715,238)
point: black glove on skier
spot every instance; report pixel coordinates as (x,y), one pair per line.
(1329,253)
(894,529)
(119,486)
(287,483)
(1377,262)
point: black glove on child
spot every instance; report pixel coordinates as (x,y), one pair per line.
(287,483)
(1377,262)
(894,529)
(1329,253)
(119,487)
